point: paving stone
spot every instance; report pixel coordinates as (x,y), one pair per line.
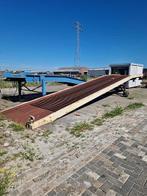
(81,171)
(93,189)
(106,186)
(114,175)
(138,170)
(14,193)
(118,194)
(132,179)
(128,143)
(93,161)
(111,153)
(87,184)
(116,160)
(99,192)
(124,177)
(26,193)
(134,192)
(51,193)
(104,157)
(74,176)
(126,153)
(118,190)
(93,175)
(119,156)
(106,151)
(78,187)
(126,188)
(126,166)
(135,145)
(99,163)
(72,181)
(141,180)
(116,164)
(98,184)
(144,158)
(118,171)
(140,189)
(86,193)
(103,178)
(111,193)
(114,181)
(39,178)
(132,163)
(123,148)
(87,180)
(131,173)
(98,170)
(141,154)
(64,189)
(110,168)
(61,193)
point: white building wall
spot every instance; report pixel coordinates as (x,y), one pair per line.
(135,69)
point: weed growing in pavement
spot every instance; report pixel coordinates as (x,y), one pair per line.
(16,127)
(79,128)
(133,106)
(2,117)
(2,152)
(115,112)
(2,124)
(6,178)
(47,133)
(28,154)
(97,121)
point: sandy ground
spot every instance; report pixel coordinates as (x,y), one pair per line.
(52,152)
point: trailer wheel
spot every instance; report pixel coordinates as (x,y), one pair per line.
(125,93)
(0,94)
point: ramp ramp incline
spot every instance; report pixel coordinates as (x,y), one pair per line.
(50,107)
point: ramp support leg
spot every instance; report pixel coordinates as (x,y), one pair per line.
(125,92)
(43,86)
(122,88)
(19,90)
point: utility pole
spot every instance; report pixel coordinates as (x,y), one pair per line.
(78,29)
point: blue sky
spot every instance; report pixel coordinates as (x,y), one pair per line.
(39,34)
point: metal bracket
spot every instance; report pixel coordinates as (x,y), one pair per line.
(31,119)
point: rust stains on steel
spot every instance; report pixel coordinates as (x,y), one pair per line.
(49,104)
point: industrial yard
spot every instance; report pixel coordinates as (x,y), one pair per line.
(98,149)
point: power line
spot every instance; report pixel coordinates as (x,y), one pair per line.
(78,29)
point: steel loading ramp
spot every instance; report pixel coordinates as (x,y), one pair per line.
(50,107)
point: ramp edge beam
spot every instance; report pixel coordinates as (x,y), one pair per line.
(77,104)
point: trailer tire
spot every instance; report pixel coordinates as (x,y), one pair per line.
(125,94)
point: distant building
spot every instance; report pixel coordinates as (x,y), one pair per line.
(71,71)
(145,73)
(129,69)
(1,74)
(98,72)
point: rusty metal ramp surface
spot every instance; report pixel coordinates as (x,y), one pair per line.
(48,108)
